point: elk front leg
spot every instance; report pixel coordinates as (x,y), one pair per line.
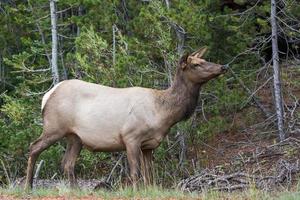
(133,156)
(73,150)
(147,166)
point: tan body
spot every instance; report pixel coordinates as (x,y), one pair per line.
(105,118)
(115,119)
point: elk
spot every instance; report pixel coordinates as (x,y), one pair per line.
(108,119)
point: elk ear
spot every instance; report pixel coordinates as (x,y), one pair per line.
(200,52)
(183,61)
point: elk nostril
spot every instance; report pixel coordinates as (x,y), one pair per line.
(224,67)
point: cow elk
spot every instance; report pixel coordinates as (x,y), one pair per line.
(107,119)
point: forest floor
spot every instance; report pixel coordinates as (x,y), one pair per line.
(238,162)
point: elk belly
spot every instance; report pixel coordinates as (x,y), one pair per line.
(100,131)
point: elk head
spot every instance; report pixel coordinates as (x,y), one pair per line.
(198,70)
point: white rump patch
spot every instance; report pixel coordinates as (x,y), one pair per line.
(48,94)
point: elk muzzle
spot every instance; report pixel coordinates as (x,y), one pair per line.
(224,67)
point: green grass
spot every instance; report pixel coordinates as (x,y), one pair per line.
(124,193)
(149,193)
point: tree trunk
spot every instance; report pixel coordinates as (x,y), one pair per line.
(114,44)
(167,4)
(276,74)
(2,88)
(54,67)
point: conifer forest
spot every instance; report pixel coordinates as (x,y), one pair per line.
(239,140)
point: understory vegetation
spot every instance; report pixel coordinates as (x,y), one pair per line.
(125,43)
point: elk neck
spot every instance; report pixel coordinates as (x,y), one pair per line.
(179,101)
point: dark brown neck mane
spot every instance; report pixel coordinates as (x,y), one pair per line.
(180,99)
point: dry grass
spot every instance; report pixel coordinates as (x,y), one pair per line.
(63,192)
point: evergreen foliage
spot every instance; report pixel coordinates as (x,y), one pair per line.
(146,55)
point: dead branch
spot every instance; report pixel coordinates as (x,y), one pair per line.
(6,173)
(206,180)
(215,179)
(38,169)
(253,97)
(113,169)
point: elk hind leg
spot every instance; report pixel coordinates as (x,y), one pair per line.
(38,146)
